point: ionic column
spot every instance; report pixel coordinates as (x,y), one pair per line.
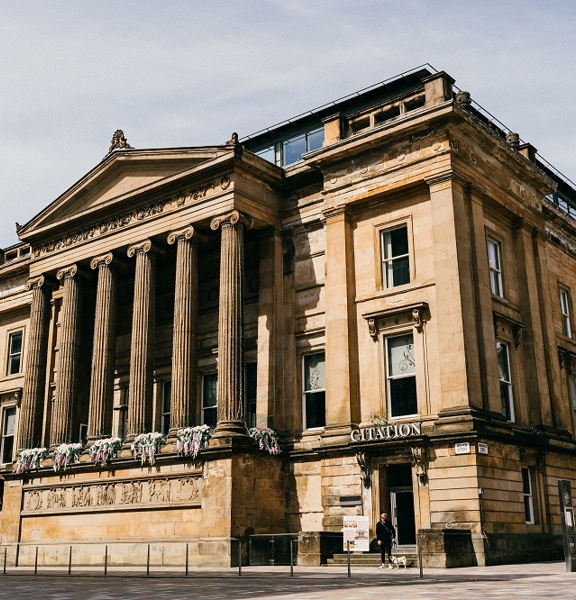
(35,375)
(185,327)
(66,388)
(102,378)
(230,360)
(141,358)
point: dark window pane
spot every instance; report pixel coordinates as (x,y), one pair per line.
(14,366)
(527,509)
(210,417)
(401,271)
(16,343)
(267,154)
(505,398)
(315,409)
(7,446)
(399,239)
(315,139)
(403,396)
(526,481)
(166,423)
(294,149)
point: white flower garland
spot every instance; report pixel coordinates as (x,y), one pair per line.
(266,438)
(65,455)
(104,450)
(146,445)
(30,459)
(190,440)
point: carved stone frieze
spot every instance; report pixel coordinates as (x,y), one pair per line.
(113,495)
(143,213)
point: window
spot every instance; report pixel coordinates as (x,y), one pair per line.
(294,148)
(401,375)
(8,431)
(14,352)
(565,309)
(505,380)
(528,497)
(166,401)
(395,257)
(83,433)
(290,151)
(495,264)
(210,399)
(314,379)
(250,388)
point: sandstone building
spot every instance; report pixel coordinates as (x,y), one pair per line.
(385,281)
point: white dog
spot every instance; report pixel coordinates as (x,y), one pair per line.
(397,561)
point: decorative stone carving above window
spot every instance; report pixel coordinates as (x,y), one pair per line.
(508,328)
(415,314)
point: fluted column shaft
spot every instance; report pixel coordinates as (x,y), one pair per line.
(66,390)
(35,376)
(185,328)
(102,378)
(230,329)
(141,357)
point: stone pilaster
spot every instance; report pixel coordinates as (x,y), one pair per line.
(36,358)
(102,378)
(66,387)
(230,360)
(185,328)
(141,357)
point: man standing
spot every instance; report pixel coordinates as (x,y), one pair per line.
(385,534)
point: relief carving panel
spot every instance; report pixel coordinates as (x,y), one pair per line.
(140,493)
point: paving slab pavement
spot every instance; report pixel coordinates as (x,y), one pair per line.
(530,581)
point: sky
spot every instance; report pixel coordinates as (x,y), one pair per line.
(173,73)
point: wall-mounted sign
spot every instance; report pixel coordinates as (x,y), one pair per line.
(482,448)
(462,447)
(350,500)
(386,432)
(356,532)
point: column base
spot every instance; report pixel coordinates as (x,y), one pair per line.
(231,433)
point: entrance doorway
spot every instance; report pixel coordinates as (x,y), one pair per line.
(397,497)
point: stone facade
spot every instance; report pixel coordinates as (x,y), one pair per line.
(385,282)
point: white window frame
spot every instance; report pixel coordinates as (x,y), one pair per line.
(166,387)
(528,496)
(565,310)
(496,285)
(306,392)
(3,435)
(388,259)
(506,381)
(11,354)
(212,406)
(390,377)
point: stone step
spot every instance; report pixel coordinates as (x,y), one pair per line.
(370,559)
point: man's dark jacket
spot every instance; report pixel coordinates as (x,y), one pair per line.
(385,532)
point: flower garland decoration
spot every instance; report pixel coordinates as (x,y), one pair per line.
(190,440)
(266,438)
(104,450)
(30,459)
(66,454)
(146,445)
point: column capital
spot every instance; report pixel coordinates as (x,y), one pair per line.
(68,272)
(34,283)
(140,248)
(186,233)
(103,259)
(233,218)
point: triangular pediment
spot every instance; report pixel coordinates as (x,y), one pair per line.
(119,177)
